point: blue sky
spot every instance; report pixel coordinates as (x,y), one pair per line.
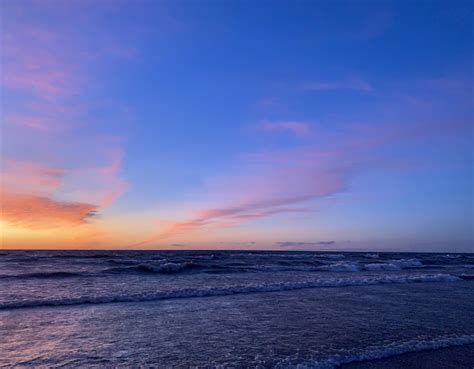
(142,124)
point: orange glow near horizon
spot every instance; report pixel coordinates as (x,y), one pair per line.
(121,127)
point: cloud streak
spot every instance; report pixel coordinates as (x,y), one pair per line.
(227,216)
(296,180)
(30,176)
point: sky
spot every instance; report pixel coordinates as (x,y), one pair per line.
(285,125)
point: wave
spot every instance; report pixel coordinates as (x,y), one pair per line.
(371,256)
(80,256)
(382,352)
(165,268)
(341,266)
(330,256)
(395,265)
(19,259)
(450,256)
(232,290)
(271,255)
(43,275)
(354,266)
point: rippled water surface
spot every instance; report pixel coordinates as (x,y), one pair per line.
(230,309)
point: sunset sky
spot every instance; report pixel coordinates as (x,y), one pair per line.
(288,125)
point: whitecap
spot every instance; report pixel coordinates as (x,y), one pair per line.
(232,290)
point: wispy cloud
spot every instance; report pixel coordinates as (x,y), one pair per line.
(226,216)
(99,184)
(47,65)
(33,122)
(31,62)
(29,176)
(295,180)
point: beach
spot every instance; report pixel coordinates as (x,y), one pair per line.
(283,310)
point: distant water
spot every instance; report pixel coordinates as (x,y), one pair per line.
(229,309)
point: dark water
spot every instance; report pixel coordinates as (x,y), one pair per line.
(229,309)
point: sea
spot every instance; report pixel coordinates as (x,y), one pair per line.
(234,309)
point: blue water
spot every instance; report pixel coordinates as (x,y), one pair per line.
(229,309)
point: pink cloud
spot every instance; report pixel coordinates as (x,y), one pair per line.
(41,212)
(99,184)
(269,192)
(295,180)
(30,176)
(27,195)
(28,188)
(41,64)
(225,217)
(34,62)
(30,121)
(116,158)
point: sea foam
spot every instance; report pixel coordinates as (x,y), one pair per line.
(231,290)
(395,265)
(341,266)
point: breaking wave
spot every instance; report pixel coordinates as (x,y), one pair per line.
(232,290)
(351,266)
(165,268)
(372,256)
(395,265)
(341,266)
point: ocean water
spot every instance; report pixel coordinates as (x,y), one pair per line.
(230,309)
